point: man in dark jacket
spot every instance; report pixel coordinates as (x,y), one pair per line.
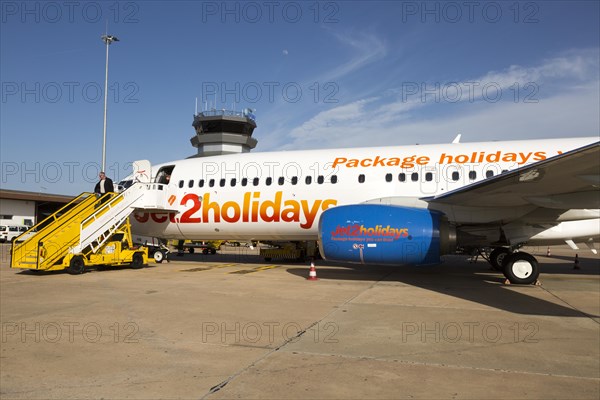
(105,185)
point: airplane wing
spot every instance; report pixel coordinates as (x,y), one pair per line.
(567,181)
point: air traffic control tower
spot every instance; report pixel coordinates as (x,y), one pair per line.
(223,132)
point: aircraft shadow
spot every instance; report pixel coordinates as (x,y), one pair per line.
(472,282)
(229,258)
(587,266)
(62,272)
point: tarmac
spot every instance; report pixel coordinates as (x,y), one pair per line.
(231,325)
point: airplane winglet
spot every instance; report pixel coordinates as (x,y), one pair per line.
(456,139)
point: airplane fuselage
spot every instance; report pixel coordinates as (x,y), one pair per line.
(281,195)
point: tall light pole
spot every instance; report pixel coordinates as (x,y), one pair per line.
(108,39)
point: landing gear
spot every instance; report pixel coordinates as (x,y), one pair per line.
(521,268)
(159,256)
(518,267)
(497,258)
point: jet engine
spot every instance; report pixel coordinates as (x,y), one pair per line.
(384,234)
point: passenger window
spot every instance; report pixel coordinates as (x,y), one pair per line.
(244,181)
(281,180)
(222,182)
(455,176)
(361,178)
(294,180)
(429,176)
(191,183)
(333,178)
(233,181)
(201,183)
(255,181)
(308,180)
(320,179)
(269,181)
(180,184)
(402,177)
(489,173)
(472,175)
(414,177)
(388,177)
(211,183)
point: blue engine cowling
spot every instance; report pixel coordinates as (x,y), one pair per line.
(382,234)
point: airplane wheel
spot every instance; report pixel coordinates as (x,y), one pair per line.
(213,251)
(191,250)
(521,268)
(159,256)
(137,261)
(497,257)
(204,251)
(76,266)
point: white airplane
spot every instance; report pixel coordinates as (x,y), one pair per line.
(389,205)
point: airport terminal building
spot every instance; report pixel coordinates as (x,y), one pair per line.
(28,208)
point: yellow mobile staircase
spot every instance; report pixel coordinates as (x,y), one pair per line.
(82,227)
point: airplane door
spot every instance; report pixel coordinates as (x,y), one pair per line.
(142,171)
(452,177)
(429,180)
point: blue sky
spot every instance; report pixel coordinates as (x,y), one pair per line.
(319,74)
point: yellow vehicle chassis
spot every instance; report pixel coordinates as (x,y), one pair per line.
(50,245)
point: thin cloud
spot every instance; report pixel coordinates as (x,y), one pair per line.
(575,65)
(568,106)
(367,48)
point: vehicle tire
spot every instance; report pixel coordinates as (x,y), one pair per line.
(76,265)
(497,257)
(521,268)
(213,251)
(137,261)
(159,256)
(191,250)
(204,251)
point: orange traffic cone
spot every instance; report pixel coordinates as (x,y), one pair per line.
(548,254)
(312,275)
(576,264)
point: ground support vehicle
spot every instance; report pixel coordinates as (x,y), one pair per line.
(89,231)
(298,251)
(204,247)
